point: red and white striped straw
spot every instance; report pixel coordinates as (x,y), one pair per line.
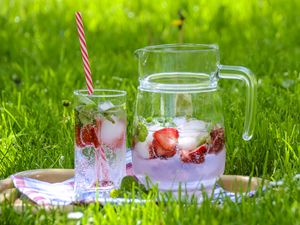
(84,54)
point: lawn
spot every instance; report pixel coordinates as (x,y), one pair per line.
(40,66)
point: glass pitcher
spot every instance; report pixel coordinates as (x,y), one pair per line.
(179,135)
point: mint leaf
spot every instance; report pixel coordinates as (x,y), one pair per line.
(86,100)
(128,182)
(89,153)
(86,115)
(86,111)
(149,119)
(141,132)
(108,116)
(204,139)
(107,110)
(115,193)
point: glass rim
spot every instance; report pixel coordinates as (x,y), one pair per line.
(105,93)
(184,47)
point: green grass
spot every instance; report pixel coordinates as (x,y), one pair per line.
(40,66)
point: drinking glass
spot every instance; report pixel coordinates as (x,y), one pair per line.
(100,142)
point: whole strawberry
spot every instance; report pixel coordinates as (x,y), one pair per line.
(88,136)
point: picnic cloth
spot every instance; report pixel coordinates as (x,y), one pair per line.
(57,194)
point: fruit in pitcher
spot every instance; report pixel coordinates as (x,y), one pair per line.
(217,140)
(141,132)
(144,150)
(165,141)
(161,152)
(188,142)
(195,156)
(166,137)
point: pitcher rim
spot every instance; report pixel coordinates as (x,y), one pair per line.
(179,47)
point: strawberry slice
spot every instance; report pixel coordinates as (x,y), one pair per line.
(159,151)
(167,138)
(165,141)
(151,151)
(217,139)
(88,135)
(77,136)
(195,156)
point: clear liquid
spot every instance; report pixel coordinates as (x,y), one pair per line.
(100,161)
(93,174)
(176,96)
(173,171)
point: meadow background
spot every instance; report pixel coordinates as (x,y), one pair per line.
(40,66)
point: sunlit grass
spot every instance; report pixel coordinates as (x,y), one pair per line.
(40,66)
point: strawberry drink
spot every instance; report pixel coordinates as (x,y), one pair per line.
(100,141)
(178,151)
(178,136)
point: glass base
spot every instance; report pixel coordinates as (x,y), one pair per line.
(92,195)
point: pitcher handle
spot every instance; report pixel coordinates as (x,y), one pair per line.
(243,73)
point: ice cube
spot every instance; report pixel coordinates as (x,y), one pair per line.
(196,125)
(103,106)
(154,128)
(188,143)
(189,133)
(110,132)
(179,121)
(143,149)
